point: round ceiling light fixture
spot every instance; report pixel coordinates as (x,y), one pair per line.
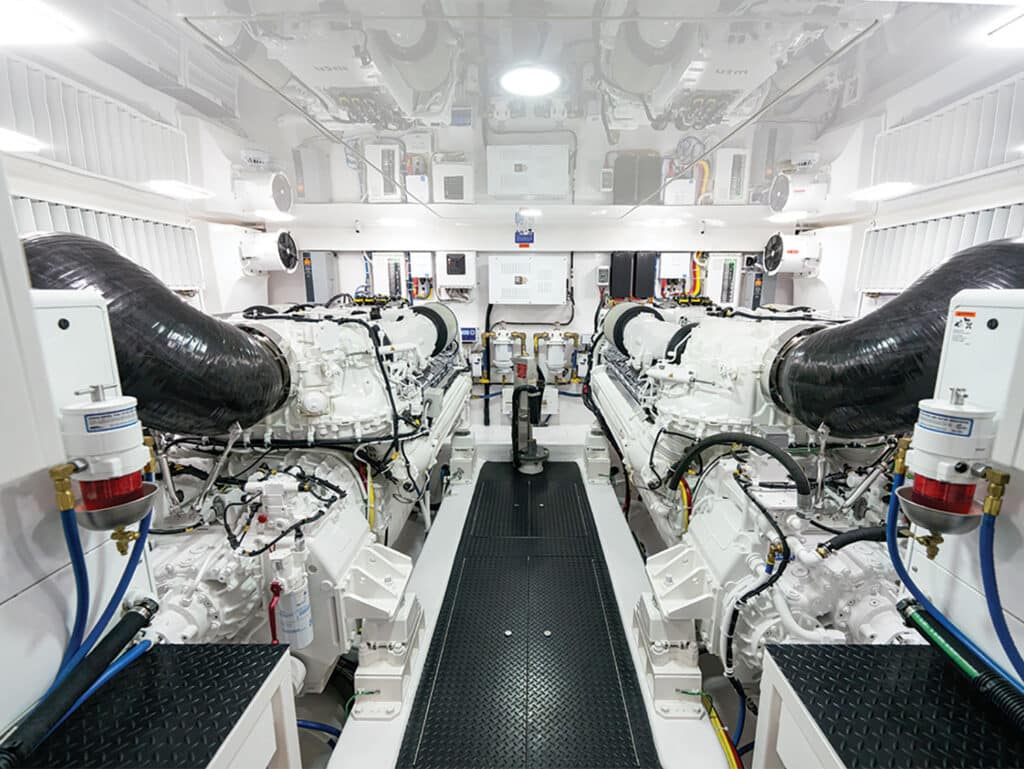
(530,80)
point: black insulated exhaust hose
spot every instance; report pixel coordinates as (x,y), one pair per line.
(190,372)
(865,378)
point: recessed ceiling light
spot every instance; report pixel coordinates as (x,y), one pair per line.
(789,217)
(12,141)
(599,212)
(714,222)
(269,215)
(175,189)
(531,212)
(883,191)
(530,81)
(30,22)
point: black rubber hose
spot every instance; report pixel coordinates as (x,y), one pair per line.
(803,486)
(863,534)
(866,377)
(190,372)
(16,749)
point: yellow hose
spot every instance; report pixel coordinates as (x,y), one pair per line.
(721,733)
(369,497)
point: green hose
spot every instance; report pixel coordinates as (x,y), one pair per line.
(941,643)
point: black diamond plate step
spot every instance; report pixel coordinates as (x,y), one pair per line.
(172,708)
(529,666)
(898,707)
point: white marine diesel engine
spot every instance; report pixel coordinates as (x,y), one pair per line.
(740,490)
(291,446)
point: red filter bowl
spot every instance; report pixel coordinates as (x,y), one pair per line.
(98,495)
(950,497)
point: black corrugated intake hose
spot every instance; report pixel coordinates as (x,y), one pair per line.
(190,372)
(28,735)
(865,378)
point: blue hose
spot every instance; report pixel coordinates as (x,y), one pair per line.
(741,721)
(991,585)
(116,667)
(115,601)
(317,726)
(74,544)
(891,530)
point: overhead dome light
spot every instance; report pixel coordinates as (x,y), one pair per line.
(530,81)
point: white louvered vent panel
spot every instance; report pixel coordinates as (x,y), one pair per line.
(86,130)
(168,251)
(979,133)
(894,257)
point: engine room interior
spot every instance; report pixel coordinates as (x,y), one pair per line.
(519,384)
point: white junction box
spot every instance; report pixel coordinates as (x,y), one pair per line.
(528,278)
(453,182)
(456,269)
(421,264)
(532,170)
(673,265)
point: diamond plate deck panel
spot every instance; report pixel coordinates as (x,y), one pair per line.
(897,707)
(529,666)
(172,708)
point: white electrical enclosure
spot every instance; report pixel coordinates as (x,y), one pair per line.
(731,173)
(384,185)
(453,182)
(527,278)
(673,265)
(421,264)
(528,170)
(456,269)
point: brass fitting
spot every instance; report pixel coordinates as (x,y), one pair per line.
(574,337)
(774,551)
(900,462)
(123,538)
(61,477)
(521,336)
(997,482)
(536,341)
(931,544)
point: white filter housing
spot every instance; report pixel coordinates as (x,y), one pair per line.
(107,434)
(264,192)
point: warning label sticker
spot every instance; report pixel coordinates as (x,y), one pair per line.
(963,328)
(947,425)
(110,420)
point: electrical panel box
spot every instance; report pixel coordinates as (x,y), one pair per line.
(385,185)
(527,278)
(421,264)
(456,269)
(468,335)
(722,279)
(390,276)
(645,269)
(621,286)
(530,170)
(673,265)
(731,173)
(453,182)
(604,275)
